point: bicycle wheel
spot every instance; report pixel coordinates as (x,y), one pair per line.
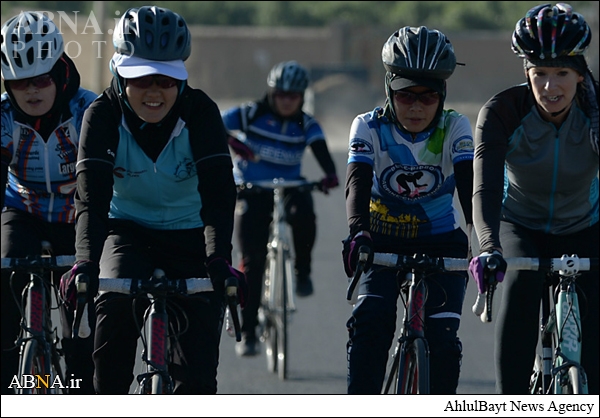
(571,382)
(393,376)
(282,314)
(34,366)
(413,376)
(536,383)
(265,312)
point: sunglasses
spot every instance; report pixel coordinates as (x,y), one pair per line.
(290,95)
(406,97)
(39,82)
(145,82)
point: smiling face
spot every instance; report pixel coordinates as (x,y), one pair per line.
(554,89)
(417,116)
(35,101)
(152,103)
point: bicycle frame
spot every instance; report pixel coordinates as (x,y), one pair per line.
(278,300)
(39,355)
(410,366)
(560,329)
(155,334)
(558,370)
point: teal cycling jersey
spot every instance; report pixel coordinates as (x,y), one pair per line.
(158,195)
(413,178)
(41,174)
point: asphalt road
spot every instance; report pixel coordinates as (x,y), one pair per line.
(317,334)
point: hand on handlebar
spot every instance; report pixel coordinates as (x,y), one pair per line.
(350,252)
(487,269)
(221,272)
(240,148)
(68,285)
(331,181)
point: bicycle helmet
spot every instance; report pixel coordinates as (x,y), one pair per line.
(419,52)
(288,76)
(152,33)
(547,33)
(31,45)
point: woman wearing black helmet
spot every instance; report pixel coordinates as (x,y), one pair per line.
(276,132)
(405,162)
(536,183)
(155,189)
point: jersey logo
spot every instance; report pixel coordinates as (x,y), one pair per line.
(185,170)
(463,144)
(411,182)
(358,146)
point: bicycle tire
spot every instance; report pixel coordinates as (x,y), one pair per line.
(269,331)
(536,383)
(282,317)
(393,376)
(573,383)
(33,363)
(413,376)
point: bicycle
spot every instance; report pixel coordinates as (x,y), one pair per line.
(40,370)
(155,330)
(278,299)
(557,370)
(409,371)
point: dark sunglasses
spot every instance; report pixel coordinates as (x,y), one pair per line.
(406,97)
(145,82)
(290,95)
(39,82)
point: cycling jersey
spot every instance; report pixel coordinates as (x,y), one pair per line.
(277,143)
(515,141)
(413,178)
(41,175)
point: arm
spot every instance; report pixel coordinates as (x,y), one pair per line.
(488,177)
(95,162)
(4,172)
(359,180)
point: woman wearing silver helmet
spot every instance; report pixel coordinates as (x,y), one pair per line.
(42,112)
(405,162)
(155,190)
(536,184)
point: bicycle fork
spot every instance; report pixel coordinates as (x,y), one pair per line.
(157,347)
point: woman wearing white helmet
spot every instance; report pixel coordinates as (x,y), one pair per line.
(42,111)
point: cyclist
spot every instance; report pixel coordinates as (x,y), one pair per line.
(154,189)
(536,183)
(405,162)
(275,132)
(42,110)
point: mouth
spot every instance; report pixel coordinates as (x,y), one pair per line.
(553,99)
(153,104)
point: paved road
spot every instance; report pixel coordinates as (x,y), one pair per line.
(317,356)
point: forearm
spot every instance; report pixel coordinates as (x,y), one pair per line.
(359,180)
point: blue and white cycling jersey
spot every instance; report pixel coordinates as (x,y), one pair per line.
(413,179)
(41,174)
(278,144)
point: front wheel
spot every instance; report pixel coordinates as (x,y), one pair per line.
(282,314)
(413,376)
(35,373)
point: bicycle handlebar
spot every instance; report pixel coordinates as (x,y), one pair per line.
(26,264)
(278,183)
(565,266)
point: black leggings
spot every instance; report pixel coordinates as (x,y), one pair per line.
(22,235)
(131,251)
(253,217)
(517,324)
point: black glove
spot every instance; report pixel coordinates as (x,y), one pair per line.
(68,291)
(350,252)
(219,270)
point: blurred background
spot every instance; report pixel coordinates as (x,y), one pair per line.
(235,44)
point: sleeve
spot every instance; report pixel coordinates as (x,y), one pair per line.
(6,149)
(321,153)
(491,142)
(95,162)
(359,176)
(216,185)
(231,119)
(462,158)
